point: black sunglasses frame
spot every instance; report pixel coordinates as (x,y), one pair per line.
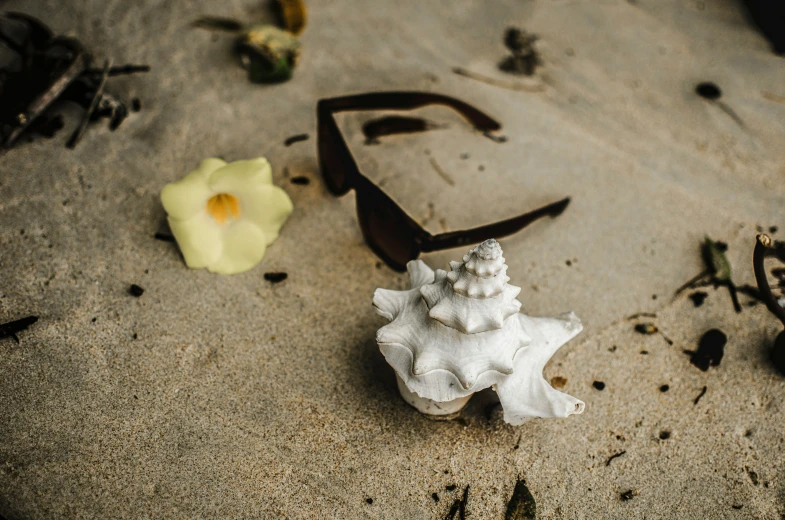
(341,174)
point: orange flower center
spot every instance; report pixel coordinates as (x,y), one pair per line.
(223,206)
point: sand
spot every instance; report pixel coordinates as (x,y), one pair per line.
(213,396)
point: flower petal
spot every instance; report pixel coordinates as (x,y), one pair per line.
(239,176)
(199,238)
(268,207)
(244,245)
(186,197)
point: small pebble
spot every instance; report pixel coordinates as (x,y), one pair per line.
(708,90)
(599,385)
(135,290)
(275,277)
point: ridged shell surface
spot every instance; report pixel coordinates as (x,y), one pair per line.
(453,334)
(474,296)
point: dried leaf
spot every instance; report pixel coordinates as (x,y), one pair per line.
(521,505)
(714,256)
(292,15)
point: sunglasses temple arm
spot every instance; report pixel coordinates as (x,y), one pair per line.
(407,101)
(496,230)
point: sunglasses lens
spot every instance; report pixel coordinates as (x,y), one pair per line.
(386,230)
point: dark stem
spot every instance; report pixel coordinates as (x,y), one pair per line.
(692,282)
(764,242)
(119,71)
(77,135)
(733,295)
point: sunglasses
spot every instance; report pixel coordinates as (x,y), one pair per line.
(388,230)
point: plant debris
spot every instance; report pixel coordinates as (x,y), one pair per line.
(521,505)
(763,245)
(136,290)
(524,58)
(698,298)
(558,382)
(710,350)
(509,85)
(217,23)
(717,272)
(599,385)
(295,139)
(39,68)
(629,494)
(649,329)
(268,53)
(77,135)
(440,171)
(703,392)
(291,14)
(392,125)
(300,180)
(275,277)
(614,456)
(646,328)
(459,506)
(641,315)
(10,329)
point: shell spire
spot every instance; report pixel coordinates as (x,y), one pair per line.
(474,296)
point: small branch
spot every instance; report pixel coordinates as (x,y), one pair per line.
(703,392)
(642,315)
(443,174)
(217,23)
(733,295)
(464,500)
(509,85)
(119,71)
(615,455)
(692,282)
(762,243)
(77,135)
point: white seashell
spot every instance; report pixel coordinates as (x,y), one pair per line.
(454,334)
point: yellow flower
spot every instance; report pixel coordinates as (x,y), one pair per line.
(224,216)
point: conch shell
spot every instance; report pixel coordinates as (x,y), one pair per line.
(454,334)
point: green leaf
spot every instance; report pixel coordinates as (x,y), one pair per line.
(715,259)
